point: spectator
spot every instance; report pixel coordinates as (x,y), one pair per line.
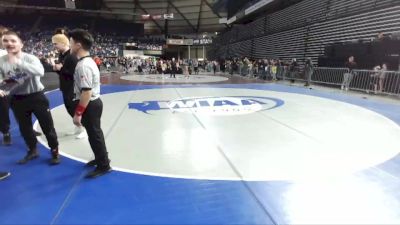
(348,77)
(308,70)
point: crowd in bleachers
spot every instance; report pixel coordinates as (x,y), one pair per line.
(106,44)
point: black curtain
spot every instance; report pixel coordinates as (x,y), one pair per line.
(44,3)
(89,4)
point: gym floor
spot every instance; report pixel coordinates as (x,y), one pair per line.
(215,149)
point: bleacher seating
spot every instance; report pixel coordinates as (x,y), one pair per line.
(304,29)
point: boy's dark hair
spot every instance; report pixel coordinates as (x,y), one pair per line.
(83,37)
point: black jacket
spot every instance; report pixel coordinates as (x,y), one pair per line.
(66,73)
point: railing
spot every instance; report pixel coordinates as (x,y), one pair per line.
(370,81)
(326,75)
(387,82)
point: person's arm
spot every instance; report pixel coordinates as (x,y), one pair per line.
(31,65)
(84,100)
(57,67)
(2,93)
(86,94)
(2,76)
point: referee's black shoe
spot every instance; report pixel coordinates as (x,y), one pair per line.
(99,171)
(91,163)
(4,175)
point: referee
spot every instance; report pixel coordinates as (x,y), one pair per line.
(28,98)
(89,106)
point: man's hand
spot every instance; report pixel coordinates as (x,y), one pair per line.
(57,67)
(77,120)
(2,93)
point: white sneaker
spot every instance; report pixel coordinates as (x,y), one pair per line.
(82,134)
(77,130)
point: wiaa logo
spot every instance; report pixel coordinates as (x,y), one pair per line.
(223,106)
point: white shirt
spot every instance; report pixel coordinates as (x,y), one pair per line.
(87,75)
(30,66)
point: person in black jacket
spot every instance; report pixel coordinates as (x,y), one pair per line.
(65,67)
(174,68)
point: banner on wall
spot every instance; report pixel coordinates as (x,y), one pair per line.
(179,41)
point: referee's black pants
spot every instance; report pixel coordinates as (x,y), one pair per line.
(23,106)
(91,121)
(4,115)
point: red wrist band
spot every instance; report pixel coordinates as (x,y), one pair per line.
(80,110)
